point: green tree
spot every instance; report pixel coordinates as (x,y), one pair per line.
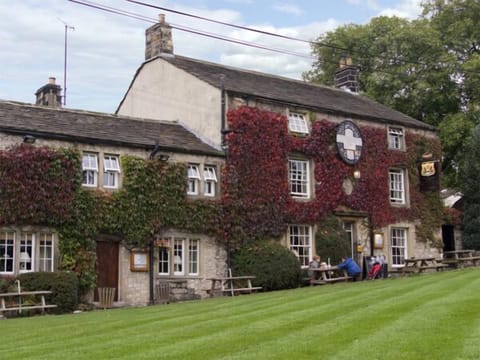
(471,191)
(427,68)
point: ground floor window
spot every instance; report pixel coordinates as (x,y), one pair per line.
(398,240)
(300,242)
(26,251)
(179,256)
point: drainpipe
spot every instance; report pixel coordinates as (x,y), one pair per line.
(150,270)
(222,110)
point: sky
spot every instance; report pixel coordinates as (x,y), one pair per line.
(104,50)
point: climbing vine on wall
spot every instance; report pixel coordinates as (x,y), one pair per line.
(257,179)
(42,186)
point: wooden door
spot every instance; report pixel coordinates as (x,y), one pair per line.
(107,266)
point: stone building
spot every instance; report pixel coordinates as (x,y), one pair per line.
(103,140)
(200,94)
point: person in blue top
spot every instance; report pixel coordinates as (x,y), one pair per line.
(351,267)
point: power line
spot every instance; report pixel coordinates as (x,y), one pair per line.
(189,29)
(237,26)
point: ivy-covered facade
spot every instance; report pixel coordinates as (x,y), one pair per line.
(114,206)
(297,153)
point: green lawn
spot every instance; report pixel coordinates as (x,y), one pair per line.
(430,316)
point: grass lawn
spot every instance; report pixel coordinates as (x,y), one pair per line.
(429,316)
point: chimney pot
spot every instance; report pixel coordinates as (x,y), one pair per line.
(51,80)
(161,18)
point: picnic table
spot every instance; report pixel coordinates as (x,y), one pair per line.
(232,285)
(328,275)
(460,258)
(15,301)
(418,265)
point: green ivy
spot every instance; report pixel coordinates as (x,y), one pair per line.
(152,198)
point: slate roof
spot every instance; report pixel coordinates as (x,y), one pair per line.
(295,92)
(84,126)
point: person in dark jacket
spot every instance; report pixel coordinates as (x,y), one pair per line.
(352,268)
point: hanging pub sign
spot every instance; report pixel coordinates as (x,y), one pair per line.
(429,170)
(349,142)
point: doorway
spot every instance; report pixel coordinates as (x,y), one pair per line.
(448,237)
(107,267)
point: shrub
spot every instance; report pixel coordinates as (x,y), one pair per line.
(63,285)
(331,240)
(274,266)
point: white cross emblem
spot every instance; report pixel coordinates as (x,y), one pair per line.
(349,142)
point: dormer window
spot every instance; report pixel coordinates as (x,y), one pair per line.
(89,169)
(297,123)
(193,179)
(111,173)
(210,178)
(396,139)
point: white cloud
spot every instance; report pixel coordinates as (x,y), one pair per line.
(288,8)
(409,9)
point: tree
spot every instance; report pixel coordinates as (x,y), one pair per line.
(471,191)
(427,68)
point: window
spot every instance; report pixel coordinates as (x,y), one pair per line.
(396,138)
(297,123)
(193,179)
(111,172)
(193,251)
(178,256)
(210,179)
(7,251)
(300,242)
(182,257)
(399,246)
(32,252)
(298,171)
(27,255)
(89,169)
(397,186)
(45,257)
(163,261)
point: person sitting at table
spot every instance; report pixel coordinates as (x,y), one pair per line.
(314,264)
(352,268)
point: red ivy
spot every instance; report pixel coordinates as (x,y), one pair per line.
(256,191)
(36,185)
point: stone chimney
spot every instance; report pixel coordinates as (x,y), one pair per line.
(346,75)
(49,94)
(158,39)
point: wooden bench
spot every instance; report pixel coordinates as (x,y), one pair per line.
(228,285)
(19,299)
(331,280)
(436,267)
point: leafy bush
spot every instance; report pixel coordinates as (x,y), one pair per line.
(331,240)
(63,285)
(274,266)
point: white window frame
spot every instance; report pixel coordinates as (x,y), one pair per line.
(46,254)
(111,171)
(178,257)
(397,186)
(193,174)
(7,242)
(299,178)
(297,123)
(193,256)
(300,243)
(163,260)
(210,180)
(398,245)
(26,257)
(396,138)
(89,169)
